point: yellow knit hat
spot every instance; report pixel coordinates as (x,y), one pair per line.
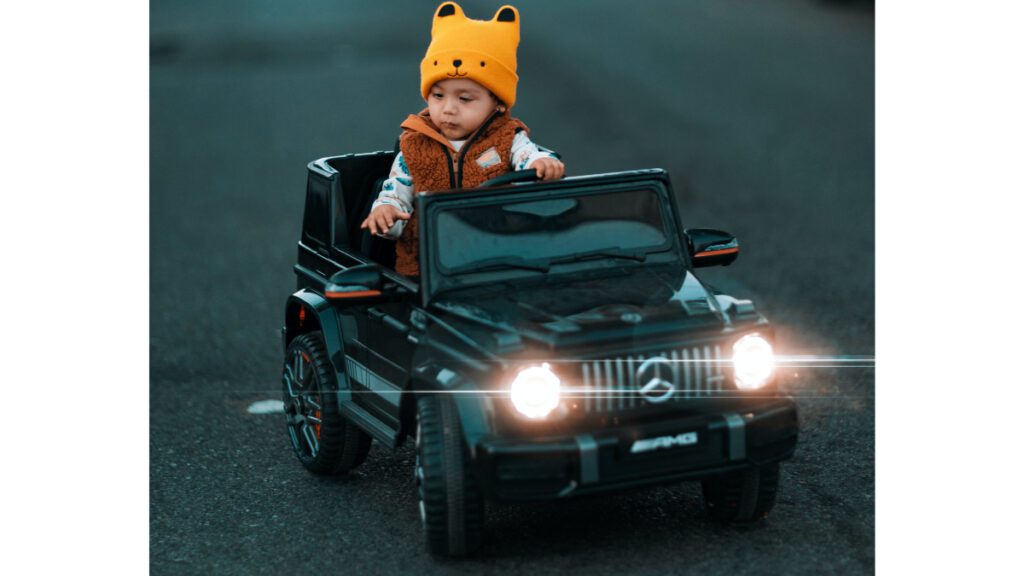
(481,50)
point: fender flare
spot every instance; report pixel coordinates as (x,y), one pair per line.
(307,311)
(473,409)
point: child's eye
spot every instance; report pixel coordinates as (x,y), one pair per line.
(437,95)
(465,99)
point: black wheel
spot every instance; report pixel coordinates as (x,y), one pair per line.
(324,441)
(745,496)
(450,502)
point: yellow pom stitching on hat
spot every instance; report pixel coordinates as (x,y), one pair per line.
(481,50)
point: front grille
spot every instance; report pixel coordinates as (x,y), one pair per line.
(610,384)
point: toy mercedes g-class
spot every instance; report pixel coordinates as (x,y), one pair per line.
(556,343)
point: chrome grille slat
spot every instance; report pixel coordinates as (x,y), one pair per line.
(620,389)
(687,384)
(586,388)
(631,365)
(675,367)
(698,376)
(704,373)
(707,371)
(610,384)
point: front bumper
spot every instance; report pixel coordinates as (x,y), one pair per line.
(551,468)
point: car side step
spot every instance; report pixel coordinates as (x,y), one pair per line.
(371,424)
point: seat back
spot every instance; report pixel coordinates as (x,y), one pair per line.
(380,250)
(352,183)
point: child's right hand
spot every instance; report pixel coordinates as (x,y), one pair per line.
(383,218)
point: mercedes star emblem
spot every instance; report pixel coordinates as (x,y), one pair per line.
(652,386)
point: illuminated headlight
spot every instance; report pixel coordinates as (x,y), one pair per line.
(753,362)
(535,391)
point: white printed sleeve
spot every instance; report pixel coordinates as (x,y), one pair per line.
(396,191)
(525,152)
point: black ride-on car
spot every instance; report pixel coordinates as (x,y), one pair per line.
(557,343)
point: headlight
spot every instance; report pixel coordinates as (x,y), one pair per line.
(753,362)
(535,391)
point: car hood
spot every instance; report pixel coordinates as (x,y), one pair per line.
(637,306)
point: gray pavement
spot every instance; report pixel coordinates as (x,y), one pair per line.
(762,112)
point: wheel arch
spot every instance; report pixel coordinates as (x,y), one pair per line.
(307,312)
(407,408)
(473,409)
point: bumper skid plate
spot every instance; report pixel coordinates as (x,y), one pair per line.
(688,448)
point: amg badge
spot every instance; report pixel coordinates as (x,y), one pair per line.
(648,444)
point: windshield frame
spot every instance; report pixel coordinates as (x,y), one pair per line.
(435,281)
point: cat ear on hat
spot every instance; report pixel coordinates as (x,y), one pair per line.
(446,13)
(508,15)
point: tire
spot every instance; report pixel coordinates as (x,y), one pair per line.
(451,505)
(324,441)
(745,496)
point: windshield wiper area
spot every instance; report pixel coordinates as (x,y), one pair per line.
(635,255)
(501,262)
(543,265)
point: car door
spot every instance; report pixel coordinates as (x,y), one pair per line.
(390,357)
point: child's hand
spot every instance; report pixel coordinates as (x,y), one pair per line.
(383,218)
(548,168)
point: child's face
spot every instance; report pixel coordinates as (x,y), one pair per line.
(459,106)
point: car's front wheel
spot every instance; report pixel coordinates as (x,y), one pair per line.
(324,441)
(450,503)
(744,496)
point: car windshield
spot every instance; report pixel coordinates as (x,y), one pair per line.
(534,234)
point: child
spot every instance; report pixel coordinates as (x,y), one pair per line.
(465,136)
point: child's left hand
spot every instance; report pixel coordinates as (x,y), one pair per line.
(548,168)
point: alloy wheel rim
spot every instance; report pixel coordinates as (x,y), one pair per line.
(418,477)
(302,403)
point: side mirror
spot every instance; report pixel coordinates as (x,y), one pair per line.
(355,283)
(711,247)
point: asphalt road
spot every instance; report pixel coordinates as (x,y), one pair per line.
(762,112)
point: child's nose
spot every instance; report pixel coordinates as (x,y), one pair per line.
(457,63)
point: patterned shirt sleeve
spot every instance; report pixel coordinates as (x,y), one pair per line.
(525,152)
(396,191)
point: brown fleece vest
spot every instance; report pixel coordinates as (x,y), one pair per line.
(426,153)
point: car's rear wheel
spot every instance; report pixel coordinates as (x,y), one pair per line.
(450,503)
(744,496)
(324,441)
